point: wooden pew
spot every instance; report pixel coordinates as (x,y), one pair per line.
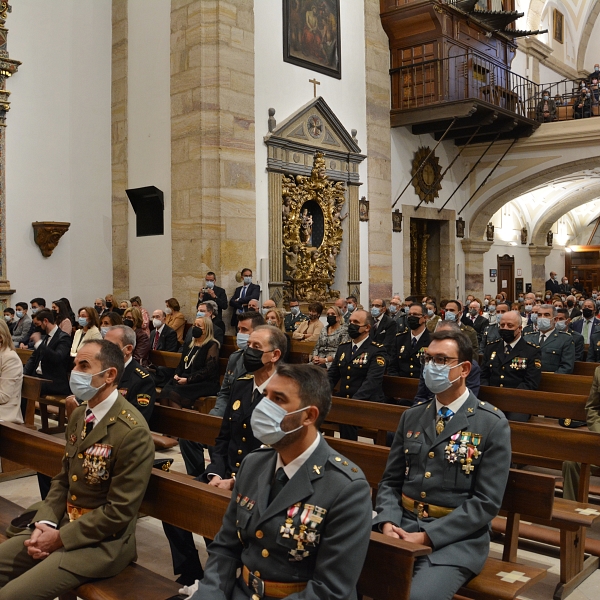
(566,384)
(585,368)
(200,509)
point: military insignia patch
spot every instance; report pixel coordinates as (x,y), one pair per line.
(538,363)
(236,405)
(143,399)
(381,361)
(123,392)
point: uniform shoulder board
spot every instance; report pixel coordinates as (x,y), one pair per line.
(405,330)
(130,418)
(347,467)
(143,374)
(490,408)
(263,448)
(531,344)
(246,376)
(377,345)
(494,341)
(422,403)
(565,332)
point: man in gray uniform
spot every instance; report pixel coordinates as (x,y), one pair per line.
(557,347)
(446,473)
(299,519)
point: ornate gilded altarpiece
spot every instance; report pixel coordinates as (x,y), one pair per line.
(313,188)
(8,67)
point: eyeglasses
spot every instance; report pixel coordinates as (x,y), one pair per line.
(438,360)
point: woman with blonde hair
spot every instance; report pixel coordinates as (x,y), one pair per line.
(136,302)
(330,338)
(133,318)
(11,378)
(89,323)
(197,373)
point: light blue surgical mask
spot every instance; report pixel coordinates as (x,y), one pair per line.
(241,340)
(295,310)
(351,306)
(393,309)
(81,384)
(266,421)
(437,377)
(449,316)
(560,325)
(492,309)
(19,314)
(247,280)
(264,311)
(104,330)
(528,308)
(544,324)
(82,321)
(430,312)
(200,314)
(375,311)
(534,317)
(209,284)
(34,310)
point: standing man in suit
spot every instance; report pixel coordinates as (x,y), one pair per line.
(385,328)
(20,334)
(428,496)
(563,323)
(85,528)
(411,344)
(557,347)
(474,319)
(586,326)
(552,284)
(243,295)
(51,357)
(511,361)
(301,511)
(359,366)
(211,291)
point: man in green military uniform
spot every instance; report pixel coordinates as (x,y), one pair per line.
(492,332)
(299,519)
(137,385)
(85,528)
(410,345)
(453,312)
(511,361)
(557,347)
(445,477)
(359,366)
(294,317)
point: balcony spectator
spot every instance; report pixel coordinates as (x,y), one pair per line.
(582,109)
(546,108)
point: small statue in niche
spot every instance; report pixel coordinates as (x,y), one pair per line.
(524,236)
(550,238)
(286,209)
(332,258)
(291,263)
(306,227)
(490,232)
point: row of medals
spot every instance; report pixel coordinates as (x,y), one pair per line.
(307,536)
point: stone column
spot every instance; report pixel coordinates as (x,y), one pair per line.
(120,210)
(213,200)
(353,243)
(538,266)
(474,251)
(275,239)
(379,176)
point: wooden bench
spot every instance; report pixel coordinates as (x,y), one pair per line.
(585,368)
(200,508)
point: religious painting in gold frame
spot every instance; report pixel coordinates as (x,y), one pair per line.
(558,26)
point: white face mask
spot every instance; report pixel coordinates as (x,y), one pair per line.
(266,421)
(168,310)
(157,323)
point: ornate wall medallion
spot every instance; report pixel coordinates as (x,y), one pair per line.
(427,181)
(314,126)
(47,234)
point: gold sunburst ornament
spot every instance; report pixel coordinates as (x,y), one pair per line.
(427,182)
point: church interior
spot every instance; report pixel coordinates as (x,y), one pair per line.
(337,150)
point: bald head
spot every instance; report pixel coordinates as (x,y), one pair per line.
(512,320)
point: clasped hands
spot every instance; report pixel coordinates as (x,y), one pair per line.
(418,537)
(43,541)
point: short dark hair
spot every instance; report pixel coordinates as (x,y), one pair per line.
(313,386)
(277,338)
(315,307)
(465,349)
(244,270)
(295,300)
(22,305)
(114,318)
(251,315)
(46,314)
(563,311)
(211,273)
(10,310)
(110,356)
(457,302)
(39,302)
(352,298)
(423,311)
(502,304)
(410,299)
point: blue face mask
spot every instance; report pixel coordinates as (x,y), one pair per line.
(528,308)
(393,309)
(295,310)
(104,331)
(492,308)
(81,384)
(351,306)
(82,321)
(266,421)
(34,310)
(210,284)
(560,325)
(544,324)
(534,317)
(19,314)
(241,340)
(437,377)
(375,311)
(200,314)
(247,280)
(449,316)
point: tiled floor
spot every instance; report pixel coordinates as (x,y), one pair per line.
(153,549)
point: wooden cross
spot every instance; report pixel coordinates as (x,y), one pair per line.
(315,84)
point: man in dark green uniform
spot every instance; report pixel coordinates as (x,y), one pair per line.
(511,361)
(85,528)
(294,317)
(359,366)
(410,345)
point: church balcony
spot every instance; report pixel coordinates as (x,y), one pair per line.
(487,100)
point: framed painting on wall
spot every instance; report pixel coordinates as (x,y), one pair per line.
(559,26)
(311,35)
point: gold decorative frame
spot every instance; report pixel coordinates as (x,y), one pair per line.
(427,180)
(47,234)
(310,270)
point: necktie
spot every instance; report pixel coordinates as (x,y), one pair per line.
(445,414)
(89,422)
(256,396)
(278,484)
(542,338)
(354,348)
(586,331)
(507,349)
(156,336)
(243,294)
(413,343)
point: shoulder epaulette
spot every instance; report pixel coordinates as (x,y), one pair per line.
(405,330)
(565,332)
(531,344)
(490,408)
(421,403)
(246,376)
(143,374)
(128,418)
(377,344)
(494,341)
(345,466)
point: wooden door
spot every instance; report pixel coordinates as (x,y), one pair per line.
(506,276)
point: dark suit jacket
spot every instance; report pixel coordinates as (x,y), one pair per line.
(167,341)
(575,312)
(56,362)
(553,286)
(237,303)
(478,325)
(578,325)
(386,334)
(220,299)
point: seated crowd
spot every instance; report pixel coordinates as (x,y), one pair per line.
(100,360)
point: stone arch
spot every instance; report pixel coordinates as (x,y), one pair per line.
(585,36)
(483,213)
(562,207)
(534,14)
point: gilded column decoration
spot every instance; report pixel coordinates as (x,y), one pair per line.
(312,233)
(8,67)
(353,242)
(277,215)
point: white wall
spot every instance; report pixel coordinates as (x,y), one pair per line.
(285,88)
(58,148)
(149,138)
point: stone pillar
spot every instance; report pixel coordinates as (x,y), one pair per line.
(474,251)
(538,266)
(120,209)
(379,176)
(212,144)
(353,243)
(275,239)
